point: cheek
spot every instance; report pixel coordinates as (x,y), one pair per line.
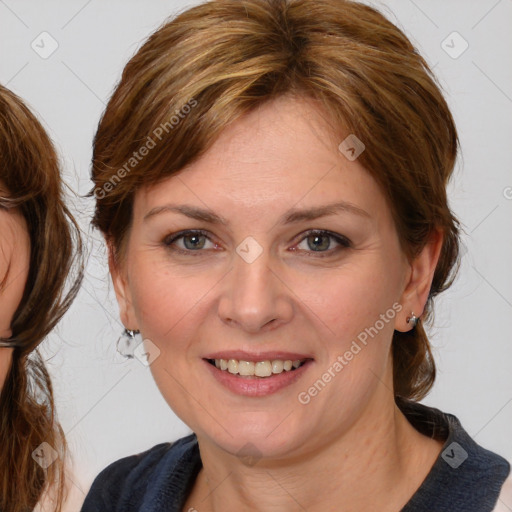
(11,295)
(353,297)
(167,302)
(359,306)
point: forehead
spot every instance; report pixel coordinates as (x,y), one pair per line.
(282,154)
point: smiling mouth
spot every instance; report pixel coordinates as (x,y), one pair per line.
(259,369)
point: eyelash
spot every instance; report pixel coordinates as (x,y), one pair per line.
(344,243)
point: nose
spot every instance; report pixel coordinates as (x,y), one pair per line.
(255,296)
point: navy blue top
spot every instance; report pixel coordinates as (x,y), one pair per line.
(464,478)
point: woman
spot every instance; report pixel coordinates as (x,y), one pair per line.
(37,236)
(270,179)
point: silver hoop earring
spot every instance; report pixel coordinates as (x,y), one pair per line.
(412,320)
(127,342)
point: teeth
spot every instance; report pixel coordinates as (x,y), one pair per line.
(263,369)
(258,369)
(245,367)
(277,366)
(232,366)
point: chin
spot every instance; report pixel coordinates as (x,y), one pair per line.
(260,436)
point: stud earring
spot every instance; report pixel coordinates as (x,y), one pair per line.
(127,342)
(412,320)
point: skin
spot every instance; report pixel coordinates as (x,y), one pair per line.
(14,263)
(351,437)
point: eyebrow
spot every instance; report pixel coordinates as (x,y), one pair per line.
(290,217)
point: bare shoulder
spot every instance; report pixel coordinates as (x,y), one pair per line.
(504,503)
(73,500)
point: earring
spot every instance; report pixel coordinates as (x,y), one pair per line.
(12,343)
(127,342)
(413,320)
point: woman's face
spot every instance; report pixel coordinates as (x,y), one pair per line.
(14,263)
(260,287)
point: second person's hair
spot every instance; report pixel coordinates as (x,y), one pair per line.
(30,170)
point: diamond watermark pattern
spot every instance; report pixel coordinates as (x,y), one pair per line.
(249,249)
(45,455)
(146,352)
(351,147)
(454,455)
(249,454)
(454,45)
(45,45)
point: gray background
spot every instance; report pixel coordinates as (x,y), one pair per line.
(110,407)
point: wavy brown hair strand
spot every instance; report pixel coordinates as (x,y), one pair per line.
(29,169)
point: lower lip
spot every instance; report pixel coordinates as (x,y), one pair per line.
(257,386)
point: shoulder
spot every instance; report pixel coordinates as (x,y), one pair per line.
(72,499)
(128,482)
(466,476)
(504,503)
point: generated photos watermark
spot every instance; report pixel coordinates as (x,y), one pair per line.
(149,144)
(344,359)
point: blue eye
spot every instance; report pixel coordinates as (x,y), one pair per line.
(193,241)
(318,241)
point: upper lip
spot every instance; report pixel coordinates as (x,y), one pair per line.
(259,356)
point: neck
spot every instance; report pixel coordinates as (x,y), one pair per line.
(377,465)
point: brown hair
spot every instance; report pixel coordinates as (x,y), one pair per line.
(226,57)
(29,168)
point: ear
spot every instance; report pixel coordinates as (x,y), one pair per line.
(122,289)
(419,280)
